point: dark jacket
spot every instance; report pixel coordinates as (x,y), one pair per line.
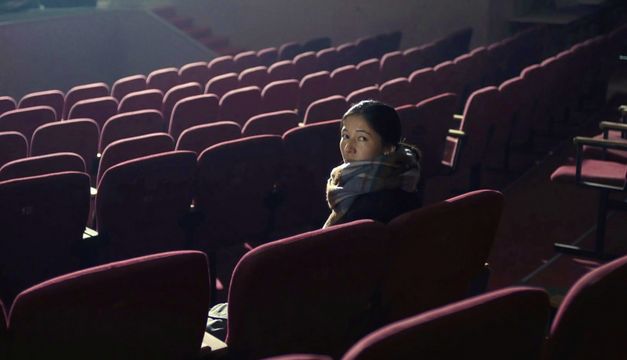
(381,206)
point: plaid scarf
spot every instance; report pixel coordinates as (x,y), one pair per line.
(399,170)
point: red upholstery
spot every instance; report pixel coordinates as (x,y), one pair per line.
(6,104)
(222,188)
(313,87)
(322,303)
(163,79)
(194,72)
(397,92)
(221,65)
(246,60)
(504,324)
(83,92)
(368,70)
(59,204)
(305,63)
(241,104)
(345,79)
(439,268)
(423,84)
(329,108)
(273,123)
(141,202)
(267,56)
(150,99)
(328,59)
(127,85)
(392,66)
(281,70)
(280,95)
(53,98)
(346,54)
(310,154)
(130,124)
(155,306)
(191,111)
(13,145)
(367,93)
(131,148)
(79,136)
(41,165)
(176,94)
(289,50)
(255,76)
(221,84)
(26,121)
(98,109)
(200,137)
(590,321)
(594,171)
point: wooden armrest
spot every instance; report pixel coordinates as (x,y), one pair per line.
(458,117)
(604,143)
(610,125)
(456,133)
(93,191)
(89,233)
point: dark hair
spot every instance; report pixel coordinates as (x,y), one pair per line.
(383,119)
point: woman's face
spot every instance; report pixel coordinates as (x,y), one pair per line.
(358,141)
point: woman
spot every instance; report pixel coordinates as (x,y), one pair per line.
(380,174)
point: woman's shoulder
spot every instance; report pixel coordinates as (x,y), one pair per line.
(383,205)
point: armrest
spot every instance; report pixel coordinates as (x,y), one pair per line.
(603,143)
(456,133)
(612,125)
(93,191)
(212,347)
(89,233)
(458,117)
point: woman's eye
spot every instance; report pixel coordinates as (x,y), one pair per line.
(362,138)
(345,136)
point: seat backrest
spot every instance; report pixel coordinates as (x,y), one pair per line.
(328,59)
(346,54)
(590,321)
(127,85)
(280,95)
(234,182)
(246,60)
(432,262)
(289,50)
(313,87)
(241,104)
(267,56)
(131,148)
(367,93)
(27,120)
(130,124)
(511,321)
(316,44)
(154,306)
(221,65)
(191,111)
(163,79)
(281,70)
(83,92)
(98,109)
(397,92)
(255,76)
(368,71)
(324,298)
(330,108)
(150,99)
(79,136)
(42,164)
(221,84)
(53,98)
(272,123)
(42,220)
(392,66)
(200,137)
(141,203)
(305,63)
(310,154)
(423,84)
(176,94)
(429,129)
(13,146)
(7,103)
(194,72)
(345,79)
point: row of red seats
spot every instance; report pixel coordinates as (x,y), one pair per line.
(322,292)
(361,252)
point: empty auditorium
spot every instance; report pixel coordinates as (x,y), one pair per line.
(313,180)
